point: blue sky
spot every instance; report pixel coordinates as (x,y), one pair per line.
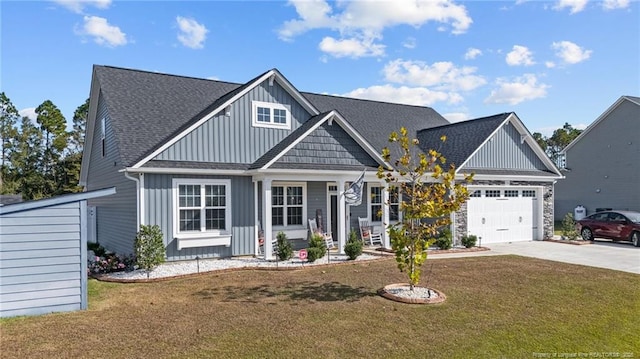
(551,62)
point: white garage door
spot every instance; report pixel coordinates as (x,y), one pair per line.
(503,214)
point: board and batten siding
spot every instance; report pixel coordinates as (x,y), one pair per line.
(116,215)
(506,150)
(233,139)
(328,145)
(158,204)
(603,167)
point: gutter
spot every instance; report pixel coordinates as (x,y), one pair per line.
(139,196)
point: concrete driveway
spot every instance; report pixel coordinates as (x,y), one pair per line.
(603,254)
(617,256)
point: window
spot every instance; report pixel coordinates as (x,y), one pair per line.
(476,193)
(394,204)
(273,115)
(203,207)
(103,135)
(287,205)
(492,193)
(376,203)
(511,193)
(528,193)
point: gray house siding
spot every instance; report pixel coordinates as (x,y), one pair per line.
(43,263)
(158,209)
(233,139)
(603,167)
(116,215)
(505,150)
(328,145)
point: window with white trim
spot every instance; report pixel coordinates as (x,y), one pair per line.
(287,205)
(202,207)
(268,114)
(511,193)
(528,193)
(492,193)
(375,203)
(476,193)
(103,136)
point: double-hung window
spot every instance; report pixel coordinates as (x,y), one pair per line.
(268,114)
(287,205)
(376,203)
(202,207)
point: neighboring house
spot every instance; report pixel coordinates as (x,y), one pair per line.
(602,165)
(211,162)
(43,254)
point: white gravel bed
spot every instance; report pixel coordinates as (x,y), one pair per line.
(172,269)
(416,293)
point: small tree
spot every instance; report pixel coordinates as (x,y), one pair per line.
(317,247)
(285,249)
(429,195)
(353,247)
(569,230)
(149,248)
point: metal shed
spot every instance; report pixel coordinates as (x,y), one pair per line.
(43,254)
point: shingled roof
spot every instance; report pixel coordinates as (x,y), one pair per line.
(463,138)
(147,109)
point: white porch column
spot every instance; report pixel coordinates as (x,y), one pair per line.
(386,242)
(266,219)
(342,216)
(256,229)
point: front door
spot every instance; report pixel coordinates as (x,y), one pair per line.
(334,215)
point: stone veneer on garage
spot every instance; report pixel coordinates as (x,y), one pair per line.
(547,208)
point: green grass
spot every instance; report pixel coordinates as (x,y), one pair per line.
(502,306)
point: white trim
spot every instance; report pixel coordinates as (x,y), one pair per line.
(138,208)
(192,171)
(333,115)
(460,176)
(330,193)
(600,118)
(212,237)
(305,202)
(103,136)
(54,201)
(94,97)
(142,204)
(281,80)
(271,106)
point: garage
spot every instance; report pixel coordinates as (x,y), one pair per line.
(504,214)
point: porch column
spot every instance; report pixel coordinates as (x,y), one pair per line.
(256,229)
(386,243)
(266,218)
(342,216)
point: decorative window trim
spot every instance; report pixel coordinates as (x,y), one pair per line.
(202,238)
(284,206)
(371,203)
(270,124)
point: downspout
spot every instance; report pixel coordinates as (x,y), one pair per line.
(137,181)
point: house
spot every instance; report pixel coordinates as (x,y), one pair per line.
(213,162)
(43,254)
(602,164)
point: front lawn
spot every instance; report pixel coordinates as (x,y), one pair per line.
(502,306)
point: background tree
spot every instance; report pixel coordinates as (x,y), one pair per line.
(26,163)
(55,135)
(80,117)
(8,118)
(429,195)
(560,139)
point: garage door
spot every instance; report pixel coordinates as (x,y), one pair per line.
(503,214)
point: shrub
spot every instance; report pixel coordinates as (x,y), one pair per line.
(469,241)
(105,262)
(569,231)
(149,247)
(353,247)
(317,247)
(97,249)
(445,239)
(284,249)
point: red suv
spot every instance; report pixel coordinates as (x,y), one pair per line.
(615,225)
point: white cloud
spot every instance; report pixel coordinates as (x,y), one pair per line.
(350,47)
(575,5)
(570,53)
(440,75)
(28,112)
(78,6)
(472,53)
(550,64)
(520,55)
(456,116)
(523,88)
(418,96)
(366,20)
(102,32)
(615,4)
(410,43)
(192,34)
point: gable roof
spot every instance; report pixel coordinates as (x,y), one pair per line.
(622,99)
(466,138)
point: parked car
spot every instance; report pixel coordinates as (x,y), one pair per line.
(615,225)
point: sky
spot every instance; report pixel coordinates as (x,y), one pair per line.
(550,62)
